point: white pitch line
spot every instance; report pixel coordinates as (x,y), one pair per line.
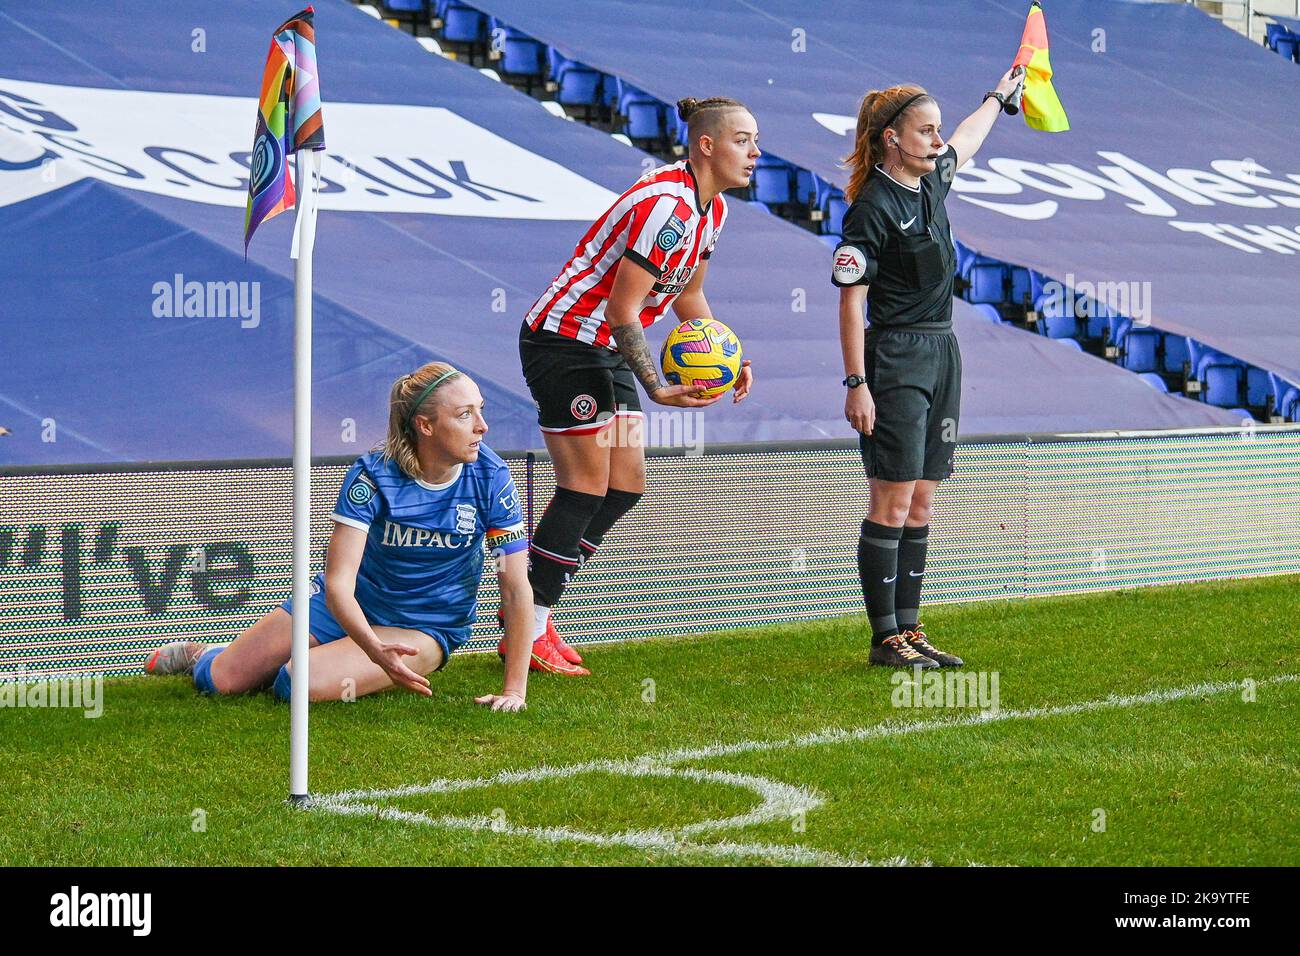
(778,800)
(648,839)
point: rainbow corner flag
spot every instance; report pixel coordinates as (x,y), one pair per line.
(288,119)
(1041,107)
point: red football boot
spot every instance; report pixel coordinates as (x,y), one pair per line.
(567,652)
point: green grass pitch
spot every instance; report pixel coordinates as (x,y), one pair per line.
(1124,736)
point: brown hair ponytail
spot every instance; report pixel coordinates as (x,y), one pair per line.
(878,111)
(399,446)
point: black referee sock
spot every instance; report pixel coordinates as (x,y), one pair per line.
(911,571)
(617,503)
(553,554)
(878,570)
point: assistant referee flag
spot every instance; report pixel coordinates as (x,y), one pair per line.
(1040,104)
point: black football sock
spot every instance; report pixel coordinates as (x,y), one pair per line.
(553,554)
(911,571)
(878,570)
(617,503)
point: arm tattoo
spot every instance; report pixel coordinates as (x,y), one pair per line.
(634,349)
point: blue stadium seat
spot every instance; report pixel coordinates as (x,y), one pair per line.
(1173,353)
(1272,31)
(987,278)
(1222,384)
(990,312)
(1070,343)
(833,213)
(810,189)
(965,255)
(1036,282)
(1257,387)
(463,24)
(681,136)
(578,85)
(1288,47)
(1289,407)
(1021,286)
(1096,320)
(1209,356)
(1117,327)
(1196,351)
(773,181)
(1138,349)
(524,58)
(1242,413)
(1155,381)
(1056,318)
(554,60)
(413,12)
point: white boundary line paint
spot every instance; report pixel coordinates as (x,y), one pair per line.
(778,801)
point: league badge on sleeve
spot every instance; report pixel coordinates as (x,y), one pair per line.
(361,491)
(670,234)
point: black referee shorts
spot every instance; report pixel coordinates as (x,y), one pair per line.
(915,378)
(578,388)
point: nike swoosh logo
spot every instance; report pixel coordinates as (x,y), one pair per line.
(908,224)
(887,580)
(915,574)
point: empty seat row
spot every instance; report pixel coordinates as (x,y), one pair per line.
(1282,41)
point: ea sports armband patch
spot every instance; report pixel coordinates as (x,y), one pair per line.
(849,266)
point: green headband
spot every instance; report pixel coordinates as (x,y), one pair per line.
(425,394)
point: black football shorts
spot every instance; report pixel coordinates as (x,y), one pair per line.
(578,388)
(915,380)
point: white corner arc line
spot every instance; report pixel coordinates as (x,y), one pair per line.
(778,800)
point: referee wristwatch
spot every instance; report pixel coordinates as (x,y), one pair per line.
(997,96)
(853,381)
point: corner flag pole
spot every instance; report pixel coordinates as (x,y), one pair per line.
(304,241)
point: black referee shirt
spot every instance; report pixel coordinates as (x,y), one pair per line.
(897,240)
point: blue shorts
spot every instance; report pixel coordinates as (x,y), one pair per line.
(326,629)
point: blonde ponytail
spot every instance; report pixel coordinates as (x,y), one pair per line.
(400,444)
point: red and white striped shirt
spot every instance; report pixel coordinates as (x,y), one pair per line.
(659,226)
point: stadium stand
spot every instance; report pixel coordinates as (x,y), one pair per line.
(590,33)
(450,202)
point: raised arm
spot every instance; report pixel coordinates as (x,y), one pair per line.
(970,134)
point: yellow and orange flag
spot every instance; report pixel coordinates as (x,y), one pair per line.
(1040,104)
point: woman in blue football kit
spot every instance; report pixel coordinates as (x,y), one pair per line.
(399,591)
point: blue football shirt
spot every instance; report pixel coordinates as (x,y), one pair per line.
(425,543)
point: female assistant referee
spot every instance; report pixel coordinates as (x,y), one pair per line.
(583,347)
(904,388)
(402,571)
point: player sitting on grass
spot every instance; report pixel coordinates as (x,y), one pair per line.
(402,572)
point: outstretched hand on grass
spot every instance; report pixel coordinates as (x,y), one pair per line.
(509,703)
(389,657)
